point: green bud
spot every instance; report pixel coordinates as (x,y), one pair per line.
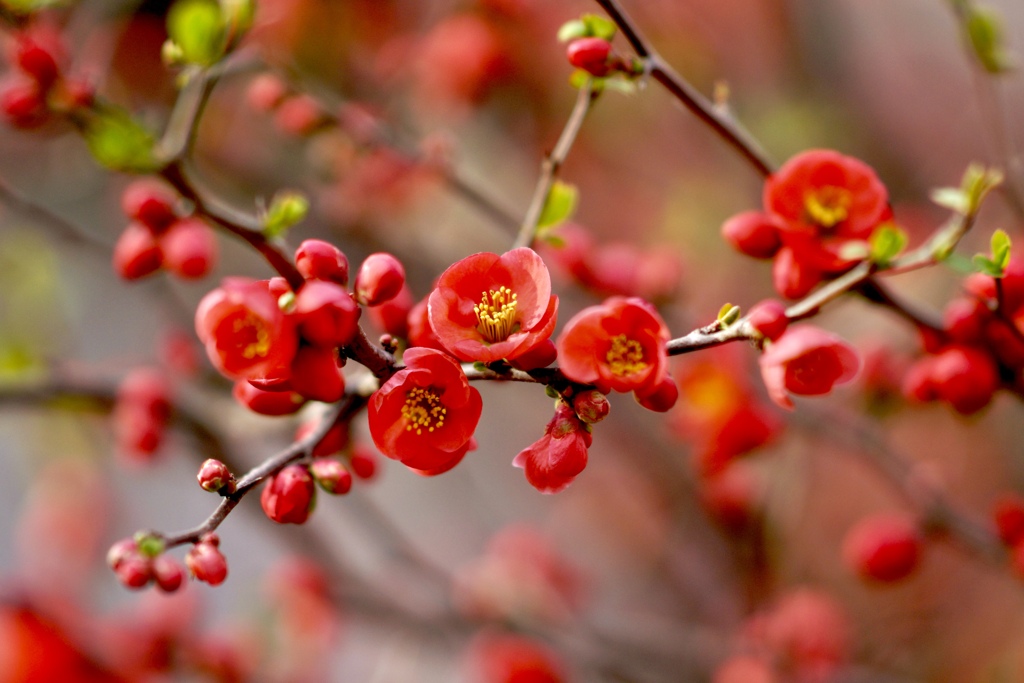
(120,143)
(559,205)
(886,243)
(287,209)
(148,544)
(198,28)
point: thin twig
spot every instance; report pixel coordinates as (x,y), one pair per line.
(552,163)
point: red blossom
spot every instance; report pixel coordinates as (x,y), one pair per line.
(488,307)
(616,346)
(425,415)
(552,462)
(885,547)
(246,334)
(825,200)
(807,361)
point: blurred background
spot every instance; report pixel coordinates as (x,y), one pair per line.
(418,127)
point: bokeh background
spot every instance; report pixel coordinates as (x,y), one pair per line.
(659,573)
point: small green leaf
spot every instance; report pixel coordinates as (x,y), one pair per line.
(571,30)
(985,266)
(1000,249)
(728,314)
(625,86)
(581,79)
(119,142)
(599,27)
(197,27)
(977,182)
(985,31)
(559,205)
(959,263)
(952,198)
(287,209)
(886,243)
(148,544)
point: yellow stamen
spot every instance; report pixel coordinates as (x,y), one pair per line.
(496,314)
(260,345)
(626,356)
(827,206)
(423,410)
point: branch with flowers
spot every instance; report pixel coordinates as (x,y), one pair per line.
(309,334)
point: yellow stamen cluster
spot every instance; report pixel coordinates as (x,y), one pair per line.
(827,206)
(423,410)
(626,356)
(496,314)
(260,346)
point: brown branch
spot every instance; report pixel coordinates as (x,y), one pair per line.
(720,122)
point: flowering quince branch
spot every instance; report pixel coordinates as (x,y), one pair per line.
(301,448)
(704,109)
(553,162)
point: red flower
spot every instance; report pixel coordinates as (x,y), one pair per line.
(885,547)
(425,415)
(488,307)
(246,334)
(825,200)
(289,496)
(553,462)
(807,361)
(616,346)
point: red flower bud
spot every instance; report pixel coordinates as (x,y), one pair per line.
(807,361)
(1009,518)
(168,573)
(23,103)
(591,406)
(326,314)
(214,476)
(554,461)
(134,571)
(207,563)
(137,252)
(189,248)
(885,547)
(265,92)
(36,59)
(363,462)
(769,318)
(150,203)
(319,260)
(661,397)
(299,115)
(590,54)
(753,233)
(121,550)
(334,441)
(380,278)
(332,476)
(289,496)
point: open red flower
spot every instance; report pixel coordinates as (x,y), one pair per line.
(488,307)
(808,361)
(246,334)
(553,461)
(616,346)
(425,415)
(825,200)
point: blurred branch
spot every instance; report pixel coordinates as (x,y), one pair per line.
(720,122)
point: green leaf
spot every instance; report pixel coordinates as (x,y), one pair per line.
(985,31)
(977,182)
(559,205)
(599,27)
(728,314)
(1001,249)
(120,143)
(983,265)
(886,243)
(149,545)
(287,209)
(952,198)
(556,241)
(959,263)
(197,27)
(571,30)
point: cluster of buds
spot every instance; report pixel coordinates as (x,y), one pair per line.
(589,48)
(281,347)
(38,87)
(160,236)
(981,346)
(141,560)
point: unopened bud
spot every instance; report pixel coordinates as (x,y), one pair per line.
(591,406)
(215,477)
(332,476)
(380,279)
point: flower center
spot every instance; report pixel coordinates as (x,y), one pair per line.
(423,410)
(827,206)
(625,357)
(496,314)
(252,336)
